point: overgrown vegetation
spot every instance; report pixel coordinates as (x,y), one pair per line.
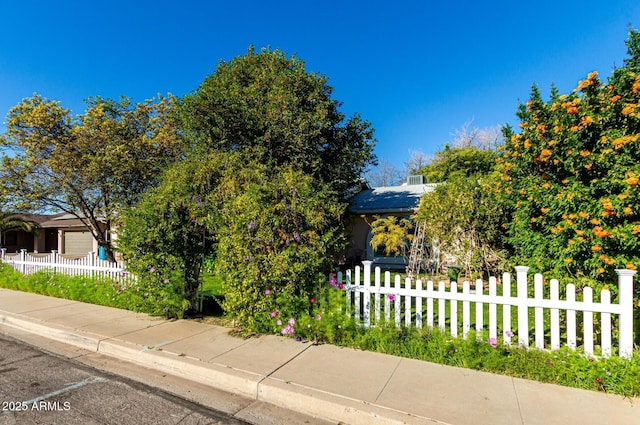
(570,177)
(261,192)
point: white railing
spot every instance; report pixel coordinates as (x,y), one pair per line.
(437,305)
(89,265)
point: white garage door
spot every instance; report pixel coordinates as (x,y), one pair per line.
(78,242)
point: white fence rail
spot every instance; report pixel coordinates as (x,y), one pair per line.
(89,265)
(374,300)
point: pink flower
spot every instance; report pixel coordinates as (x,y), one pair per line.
(392,297)
(312,300)
(272,314)
(267,291)
(333,281)
(292,322)
(288,330)
(152,269)
(509,334)
(279,322)
(492,342)
(340,286)
(318,317)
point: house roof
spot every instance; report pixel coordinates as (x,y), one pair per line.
(63,220)
(390,199)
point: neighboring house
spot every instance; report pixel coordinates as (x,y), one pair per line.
(401,201)
(62,232)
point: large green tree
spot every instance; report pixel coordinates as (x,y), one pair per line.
(570,176)
(270,109)
(90,165)
(262,186)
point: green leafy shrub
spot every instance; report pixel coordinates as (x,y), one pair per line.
(279,235)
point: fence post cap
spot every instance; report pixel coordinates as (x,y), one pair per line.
(625,272)
(521,269)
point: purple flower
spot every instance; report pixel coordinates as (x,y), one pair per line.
(492,342)
(509,334)
(318,317)
(296,236)
(252,225)
(392,297)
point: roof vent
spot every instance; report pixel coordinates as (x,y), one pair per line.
(415,180)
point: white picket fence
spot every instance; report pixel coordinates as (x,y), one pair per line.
(89,265)
(376,300)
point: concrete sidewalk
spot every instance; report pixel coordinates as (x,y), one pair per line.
(335,384)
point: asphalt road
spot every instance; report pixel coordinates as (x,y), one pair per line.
(37,387)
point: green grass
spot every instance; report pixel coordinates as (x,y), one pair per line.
(212,285)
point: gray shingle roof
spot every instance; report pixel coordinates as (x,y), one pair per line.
(391,199)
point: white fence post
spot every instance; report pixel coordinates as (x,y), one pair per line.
(3,252)
(23,258)
(506,309)
(367,295)
(54,260)
(625,299)
(523,308)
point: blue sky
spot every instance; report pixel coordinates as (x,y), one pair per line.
(418,70)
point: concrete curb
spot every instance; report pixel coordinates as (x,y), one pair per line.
(217,376)
(56,332)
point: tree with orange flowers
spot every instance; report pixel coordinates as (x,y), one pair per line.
(570,176)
